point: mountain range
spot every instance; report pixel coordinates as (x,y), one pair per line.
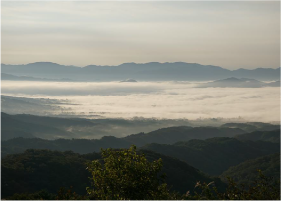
(153,71)
(5,76)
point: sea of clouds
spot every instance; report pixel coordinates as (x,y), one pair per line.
(171,100)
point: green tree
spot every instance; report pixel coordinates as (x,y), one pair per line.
(124,174)
(264,188)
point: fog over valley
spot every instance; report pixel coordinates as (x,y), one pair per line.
(168,100)
(140,100)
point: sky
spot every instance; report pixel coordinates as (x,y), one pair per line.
(228,34)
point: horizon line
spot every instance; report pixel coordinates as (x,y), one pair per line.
(136,64)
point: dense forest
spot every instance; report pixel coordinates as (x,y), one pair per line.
(20,172)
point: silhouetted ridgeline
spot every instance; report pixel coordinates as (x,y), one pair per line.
(175,134)
(162,136)
(153,71)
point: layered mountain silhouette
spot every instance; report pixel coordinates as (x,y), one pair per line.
(54,128)
(153,71)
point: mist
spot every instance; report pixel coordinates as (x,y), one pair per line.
(160,100)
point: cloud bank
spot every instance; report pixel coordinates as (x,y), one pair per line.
(156,100)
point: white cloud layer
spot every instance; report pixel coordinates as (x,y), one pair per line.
(156,100)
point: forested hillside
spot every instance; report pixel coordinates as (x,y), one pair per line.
(215,155)
(35,170)
(246,172)
(82,146)
(269,136)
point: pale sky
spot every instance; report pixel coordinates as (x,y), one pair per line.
(228,34)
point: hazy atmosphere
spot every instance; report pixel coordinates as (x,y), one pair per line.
(100,98)
(228,34)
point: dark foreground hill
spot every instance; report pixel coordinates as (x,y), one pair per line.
(269,136)
(246,172)
(215,155)
(35,170)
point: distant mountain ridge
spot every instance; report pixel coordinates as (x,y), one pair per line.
(5,76)
(153,71)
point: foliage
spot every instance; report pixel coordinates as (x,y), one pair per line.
(126,175)
(40,195)
(123,174)
(264,188)
(69,194)
(62,194)
(43,169)
(31,171)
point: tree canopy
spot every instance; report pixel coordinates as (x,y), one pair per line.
(124,174)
